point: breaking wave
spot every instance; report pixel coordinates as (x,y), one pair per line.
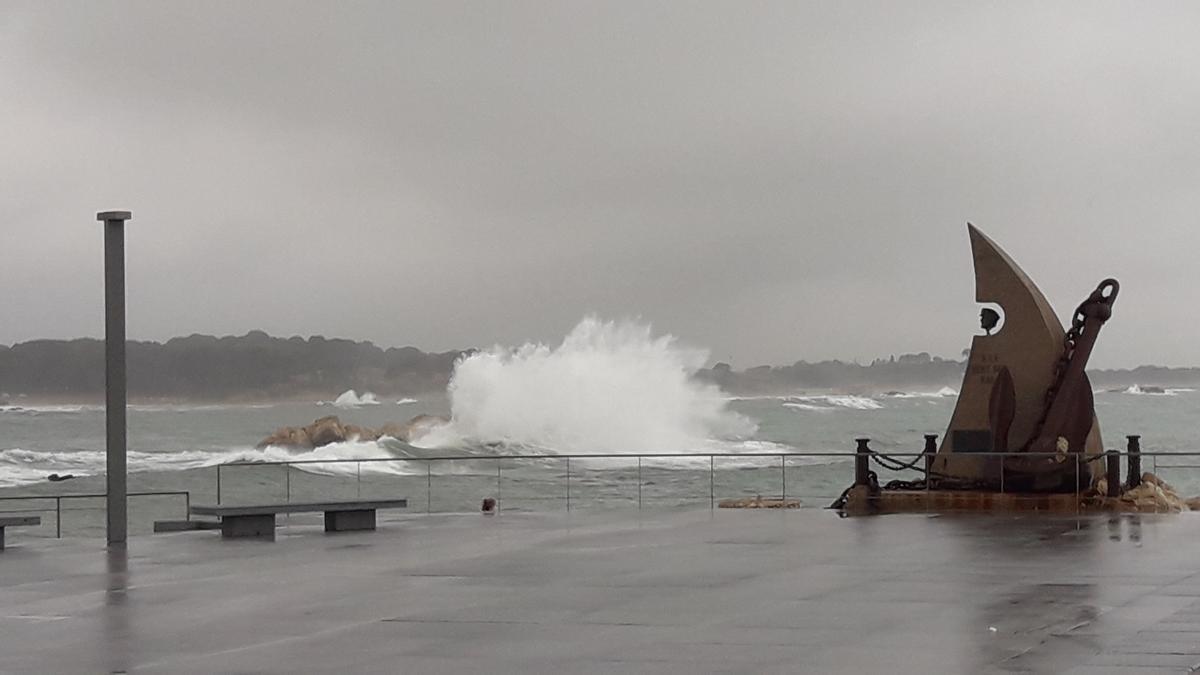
(1149,390)
(22,467)
(609,387)
(349,399)
(832,402)
(944,392)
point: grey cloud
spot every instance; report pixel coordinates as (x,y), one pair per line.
(771,180)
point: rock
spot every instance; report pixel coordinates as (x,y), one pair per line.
(414,428)
(326,430)
(355,432)
(330,429)
(1193,503)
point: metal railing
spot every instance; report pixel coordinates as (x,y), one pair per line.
(634,464)
(58,500)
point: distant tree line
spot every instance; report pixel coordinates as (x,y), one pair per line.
(257,366)
(254,366)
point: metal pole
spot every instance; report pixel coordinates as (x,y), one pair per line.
(428,487)
(218,483)
(287,483)
(58,517)
(114,374)
(358,479)
(568,483)
(497,483)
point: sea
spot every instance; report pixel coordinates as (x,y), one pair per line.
(610,418)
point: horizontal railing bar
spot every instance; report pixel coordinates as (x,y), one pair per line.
(668,455)
(97,496)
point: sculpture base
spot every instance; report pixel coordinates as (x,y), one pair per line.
(860,502)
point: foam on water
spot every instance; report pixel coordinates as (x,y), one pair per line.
(832,401)
(20,467)
(349,399)
(609,387)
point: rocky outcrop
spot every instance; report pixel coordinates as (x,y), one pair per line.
(1152,495)
(330,429)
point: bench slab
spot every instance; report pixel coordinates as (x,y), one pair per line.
(185,525)
(16,521)
(296,507)
(258,520)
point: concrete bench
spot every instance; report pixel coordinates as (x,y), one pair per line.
(17,521)
(258,520)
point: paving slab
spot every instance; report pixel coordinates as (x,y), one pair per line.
(798,591)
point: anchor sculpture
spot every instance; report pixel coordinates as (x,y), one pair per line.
(1025,390)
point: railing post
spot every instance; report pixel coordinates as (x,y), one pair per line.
(712,491)
(1135,461)
(639,482)
(287,483)
(1113,477)
(428,487)
(358,479)
(862,460)
(783,479)
(187,505)
(568,483)
(218,483)
(1077,481)
(58,517)
(497,483)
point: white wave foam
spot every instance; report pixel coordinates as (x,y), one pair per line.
(19,466)
(835,400)
(406,401)
(806,406)
(350,399)
(610,387)
(49,409)
(944,392)
(1149,391)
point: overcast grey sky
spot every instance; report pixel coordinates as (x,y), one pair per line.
(772,181)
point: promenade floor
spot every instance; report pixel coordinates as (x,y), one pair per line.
(651,592)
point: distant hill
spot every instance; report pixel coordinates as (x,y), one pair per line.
(258,367)
(907,372)
(251,367)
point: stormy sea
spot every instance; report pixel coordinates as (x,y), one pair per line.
(610,418)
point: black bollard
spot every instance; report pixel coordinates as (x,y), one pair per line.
(1113,479)
(1135,462)
(862,459)
(930,452)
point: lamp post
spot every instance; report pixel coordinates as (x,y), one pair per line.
(114,373)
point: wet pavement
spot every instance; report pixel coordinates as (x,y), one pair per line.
(695,592)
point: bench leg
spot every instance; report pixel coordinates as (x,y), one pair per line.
(248,526)
(344,521)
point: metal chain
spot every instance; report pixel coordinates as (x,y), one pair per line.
(1060,366)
